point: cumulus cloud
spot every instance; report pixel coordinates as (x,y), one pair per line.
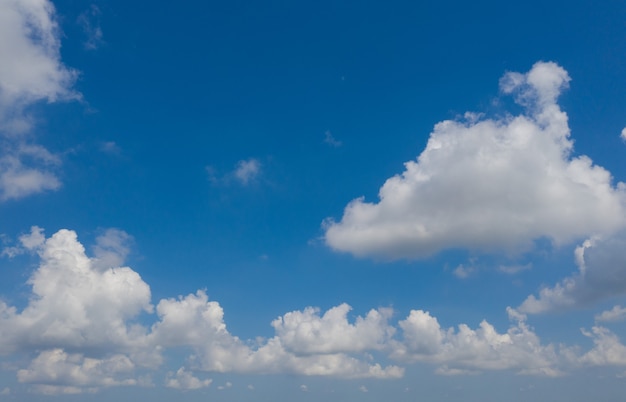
(465,350)
(82,321)
(601,275)
(607,350)
(489,185)
(617,313)
(82,313)
(623,134)
(31,71)
(55,368)
(185,380)
(306,332)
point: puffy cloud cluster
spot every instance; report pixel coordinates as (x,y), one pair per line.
(82,315)
(489,185)
(31,71)
(465,350)
(81,320)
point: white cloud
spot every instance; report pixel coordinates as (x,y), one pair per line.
(56,368)
(23,174)
(363,388)
(463,351)
(617,313)
(464,271)
(306,332)
(607,350)
(304,388)
(489,185)
(185,380)
(73,304)
(81,321)
(623,134)
(601,275)
(5,391)
(247,171)
(31,71)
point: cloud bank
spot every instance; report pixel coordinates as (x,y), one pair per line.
(489,185)
(82,321)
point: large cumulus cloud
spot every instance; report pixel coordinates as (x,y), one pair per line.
(489,184)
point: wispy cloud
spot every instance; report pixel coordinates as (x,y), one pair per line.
(245,173)
(331,140)
(89,21)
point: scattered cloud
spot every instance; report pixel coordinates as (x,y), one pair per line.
(306,332)
(515,269)
(31,71)
(463,351)
(464,271)
(623,134)
(246,172)
(89,21)
(601,275)
(331,140)
(617,313)
(530,185)
(363,388)
(185,380)
(304,388)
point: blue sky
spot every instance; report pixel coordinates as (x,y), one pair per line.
(338,200)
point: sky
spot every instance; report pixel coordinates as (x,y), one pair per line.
(312,200)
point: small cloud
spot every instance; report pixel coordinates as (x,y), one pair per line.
(251,387)
(363,388)
(330,140)
(623,134)
(463,271)
(89,21)
(184,380)
(617,313)
(247,171)
(514,269)
(110,147)
(225,386)
(6,391)
(304,388)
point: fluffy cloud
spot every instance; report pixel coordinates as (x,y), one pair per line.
(464,350)
(607,350)
(81,321)
(55,368)
(185,380)
(601,274)
(623,134)
(81,317)
(306,332)
(617,313)
(31,71)
(488,185)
